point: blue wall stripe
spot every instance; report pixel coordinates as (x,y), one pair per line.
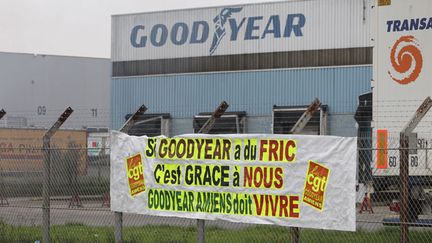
(255,92)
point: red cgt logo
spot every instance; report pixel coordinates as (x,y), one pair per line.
(406,59)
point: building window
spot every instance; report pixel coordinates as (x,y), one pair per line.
(230,122)
(150,125)
(285,117)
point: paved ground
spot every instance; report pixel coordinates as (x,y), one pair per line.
(28,211)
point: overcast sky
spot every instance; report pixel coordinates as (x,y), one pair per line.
(75,27)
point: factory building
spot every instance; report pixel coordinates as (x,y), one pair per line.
(268,61)
(36,89)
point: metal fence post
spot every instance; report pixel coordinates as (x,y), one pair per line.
(404,174)
(2,113)
(295,234)
(296,129)
(404,168)
(223,106)
(118,216)
(118,227)
(3,198)
(47,171)
(306,116)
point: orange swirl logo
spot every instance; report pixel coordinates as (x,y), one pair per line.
(406,59)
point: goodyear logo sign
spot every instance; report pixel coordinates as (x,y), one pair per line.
(213,34)
(248,29)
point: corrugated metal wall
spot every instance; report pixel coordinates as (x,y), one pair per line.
(255,92)
(31,82)
(329,24)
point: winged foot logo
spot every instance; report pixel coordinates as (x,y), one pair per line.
(220,21)
(241,28)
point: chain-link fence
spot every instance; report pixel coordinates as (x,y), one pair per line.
(80,178)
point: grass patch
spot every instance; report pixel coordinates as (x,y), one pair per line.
(170,234)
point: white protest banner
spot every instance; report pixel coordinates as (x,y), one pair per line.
(301,181)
